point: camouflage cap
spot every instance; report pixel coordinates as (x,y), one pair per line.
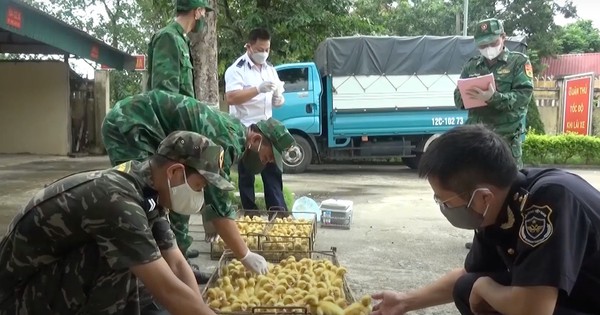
(197,152)
(188,5)
(488,31)
(280,137)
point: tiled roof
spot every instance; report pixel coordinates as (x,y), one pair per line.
(570,64)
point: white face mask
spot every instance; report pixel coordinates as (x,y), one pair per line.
(185,200)
(491,52)
(260,57)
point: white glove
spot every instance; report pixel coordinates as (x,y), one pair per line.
(210,232)
(255,262)
(277,100)
(482,95)
(266,86)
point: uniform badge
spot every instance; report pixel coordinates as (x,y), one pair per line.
(504,71)
(529,70)
(484,27)
(536,227)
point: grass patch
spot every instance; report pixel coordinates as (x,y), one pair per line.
(259,188)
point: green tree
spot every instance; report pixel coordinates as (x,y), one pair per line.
(579,37)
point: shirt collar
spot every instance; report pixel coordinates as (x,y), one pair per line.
(513,205)
(179,29)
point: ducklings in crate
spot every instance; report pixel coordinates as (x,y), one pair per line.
(316,284)
(289,235)
(250,229)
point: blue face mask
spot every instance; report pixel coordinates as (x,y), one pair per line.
(463,217)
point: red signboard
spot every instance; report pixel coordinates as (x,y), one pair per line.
(94,52)
(577,105)
(14,17)
(140,63)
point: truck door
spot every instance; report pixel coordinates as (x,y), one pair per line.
(301,107)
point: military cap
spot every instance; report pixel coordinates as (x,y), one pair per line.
(488,31)
(278,135)
(197,152)
(188,5)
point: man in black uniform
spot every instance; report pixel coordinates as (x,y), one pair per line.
(536,248)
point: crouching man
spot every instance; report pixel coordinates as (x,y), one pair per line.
(536,246)
(81,244)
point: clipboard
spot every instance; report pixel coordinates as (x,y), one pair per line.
(482,82)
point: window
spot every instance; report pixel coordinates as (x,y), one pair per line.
(296,79)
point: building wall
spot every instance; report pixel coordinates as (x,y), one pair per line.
(34,107)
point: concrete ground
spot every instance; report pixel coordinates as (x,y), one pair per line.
(398,239)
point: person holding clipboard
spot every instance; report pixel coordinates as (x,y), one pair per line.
(496,87)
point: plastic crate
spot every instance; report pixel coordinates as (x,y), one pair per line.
(253,238)
(298,307)
(287,235)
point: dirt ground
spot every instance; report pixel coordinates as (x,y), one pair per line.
(398,239)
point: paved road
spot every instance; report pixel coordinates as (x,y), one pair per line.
(398,239)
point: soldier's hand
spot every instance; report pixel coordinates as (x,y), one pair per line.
(482,95)
(255,262)
(266,86)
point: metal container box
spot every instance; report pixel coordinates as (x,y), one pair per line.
(336,213)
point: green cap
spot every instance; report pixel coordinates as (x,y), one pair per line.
(188,5)
(488,31)
(279,136)
(198,152)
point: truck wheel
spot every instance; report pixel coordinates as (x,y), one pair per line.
(298,157)
(413,162)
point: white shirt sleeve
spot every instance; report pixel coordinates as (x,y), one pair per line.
(234,80)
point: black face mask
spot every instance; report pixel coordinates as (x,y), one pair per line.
(252,162)
(463,217)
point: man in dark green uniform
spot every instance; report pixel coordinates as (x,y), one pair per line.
(507,101)
(135,126)
(170,65)
(81,244)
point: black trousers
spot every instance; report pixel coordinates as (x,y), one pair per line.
(463,286)
(273,188)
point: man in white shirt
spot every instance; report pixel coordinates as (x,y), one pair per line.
(252,88)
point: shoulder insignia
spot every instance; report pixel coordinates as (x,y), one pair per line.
(123,167)
(529,70)
(536,227)
(149,205)
(240,63)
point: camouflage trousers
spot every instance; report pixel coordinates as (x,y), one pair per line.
(123,148)
(80,283)
(516,146)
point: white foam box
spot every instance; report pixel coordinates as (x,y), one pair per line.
(336,213)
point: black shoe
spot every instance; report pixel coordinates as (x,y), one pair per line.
(201,277)
(468,245)
(192,253)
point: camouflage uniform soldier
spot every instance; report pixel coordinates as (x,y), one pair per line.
(135,126)
(170,66)
(80,244)
(507,101)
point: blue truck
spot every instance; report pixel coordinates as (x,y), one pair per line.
(373,97)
